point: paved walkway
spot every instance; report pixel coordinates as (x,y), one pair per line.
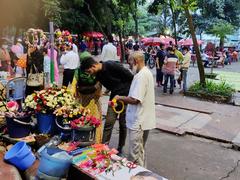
(185,115)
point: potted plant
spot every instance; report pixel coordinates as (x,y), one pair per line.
(18,122)
(44,103)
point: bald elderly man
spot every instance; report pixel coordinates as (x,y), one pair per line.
(140,113)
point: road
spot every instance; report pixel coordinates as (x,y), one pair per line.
(188,157)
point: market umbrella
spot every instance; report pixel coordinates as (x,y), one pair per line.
(93,34)
(154,41)
(167,39)
(188,42)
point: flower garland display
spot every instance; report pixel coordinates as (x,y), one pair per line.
(114,104)
(100,158)
(48,100)
(35,37)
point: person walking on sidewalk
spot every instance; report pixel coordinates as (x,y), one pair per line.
(184,67)
(70,61)
(109,51)
(159,63)
(117,79)
(170,65)
(140,115)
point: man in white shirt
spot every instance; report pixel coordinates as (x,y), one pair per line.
(140,114)
(109,51)
(70,61)
(74,46)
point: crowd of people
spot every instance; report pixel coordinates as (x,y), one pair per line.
(134,86)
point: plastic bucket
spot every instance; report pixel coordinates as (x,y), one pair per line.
(52,166)
(18,127)
(83,134)
(46,123)
(63,129)
(20,155)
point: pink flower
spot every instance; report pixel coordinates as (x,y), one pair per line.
(77,121)
(12,106)
(88,118)
(73,125)
(82,118)
(96,122)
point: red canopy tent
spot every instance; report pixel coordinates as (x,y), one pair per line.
(167,39)
(93,34)
(188,42)
(154,41)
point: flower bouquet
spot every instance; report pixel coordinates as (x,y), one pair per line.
(65,114)
(18,122)
(84,127)
(48,100)
(44,103)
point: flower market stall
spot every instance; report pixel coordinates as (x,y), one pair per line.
(62,136)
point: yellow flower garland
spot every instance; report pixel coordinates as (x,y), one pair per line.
(114,105)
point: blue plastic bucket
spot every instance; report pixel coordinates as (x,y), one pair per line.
(18,127)
(46,123)
(20,155)
(52,166)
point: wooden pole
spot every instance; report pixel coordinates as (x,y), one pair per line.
(51,51)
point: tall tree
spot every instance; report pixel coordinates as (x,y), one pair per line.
(173,7)
(221,29)
(187,5)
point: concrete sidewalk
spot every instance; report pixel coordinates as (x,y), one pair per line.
(182,115)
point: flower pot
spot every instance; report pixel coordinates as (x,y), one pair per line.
(63,129)
(18,127)
(84,134)
(46,123)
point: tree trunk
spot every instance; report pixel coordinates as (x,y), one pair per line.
(122,47)
(195,44)
(174,23)
(135,18)
(94,18)
(221,44)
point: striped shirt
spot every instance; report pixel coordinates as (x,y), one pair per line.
(170,64)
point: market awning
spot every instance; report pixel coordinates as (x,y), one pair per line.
(93,34)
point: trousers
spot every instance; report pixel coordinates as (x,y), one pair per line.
(137,142)
(109,124)
(68,75)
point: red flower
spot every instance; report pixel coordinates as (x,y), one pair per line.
(73,125)
(76,121)
(110,103)
(39,107)
(35,98)
(82,118)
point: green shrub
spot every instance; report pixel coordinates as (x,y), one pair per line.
(212,88)
(211,75)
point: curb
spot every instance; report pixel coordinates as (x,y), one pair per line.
(188,109)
